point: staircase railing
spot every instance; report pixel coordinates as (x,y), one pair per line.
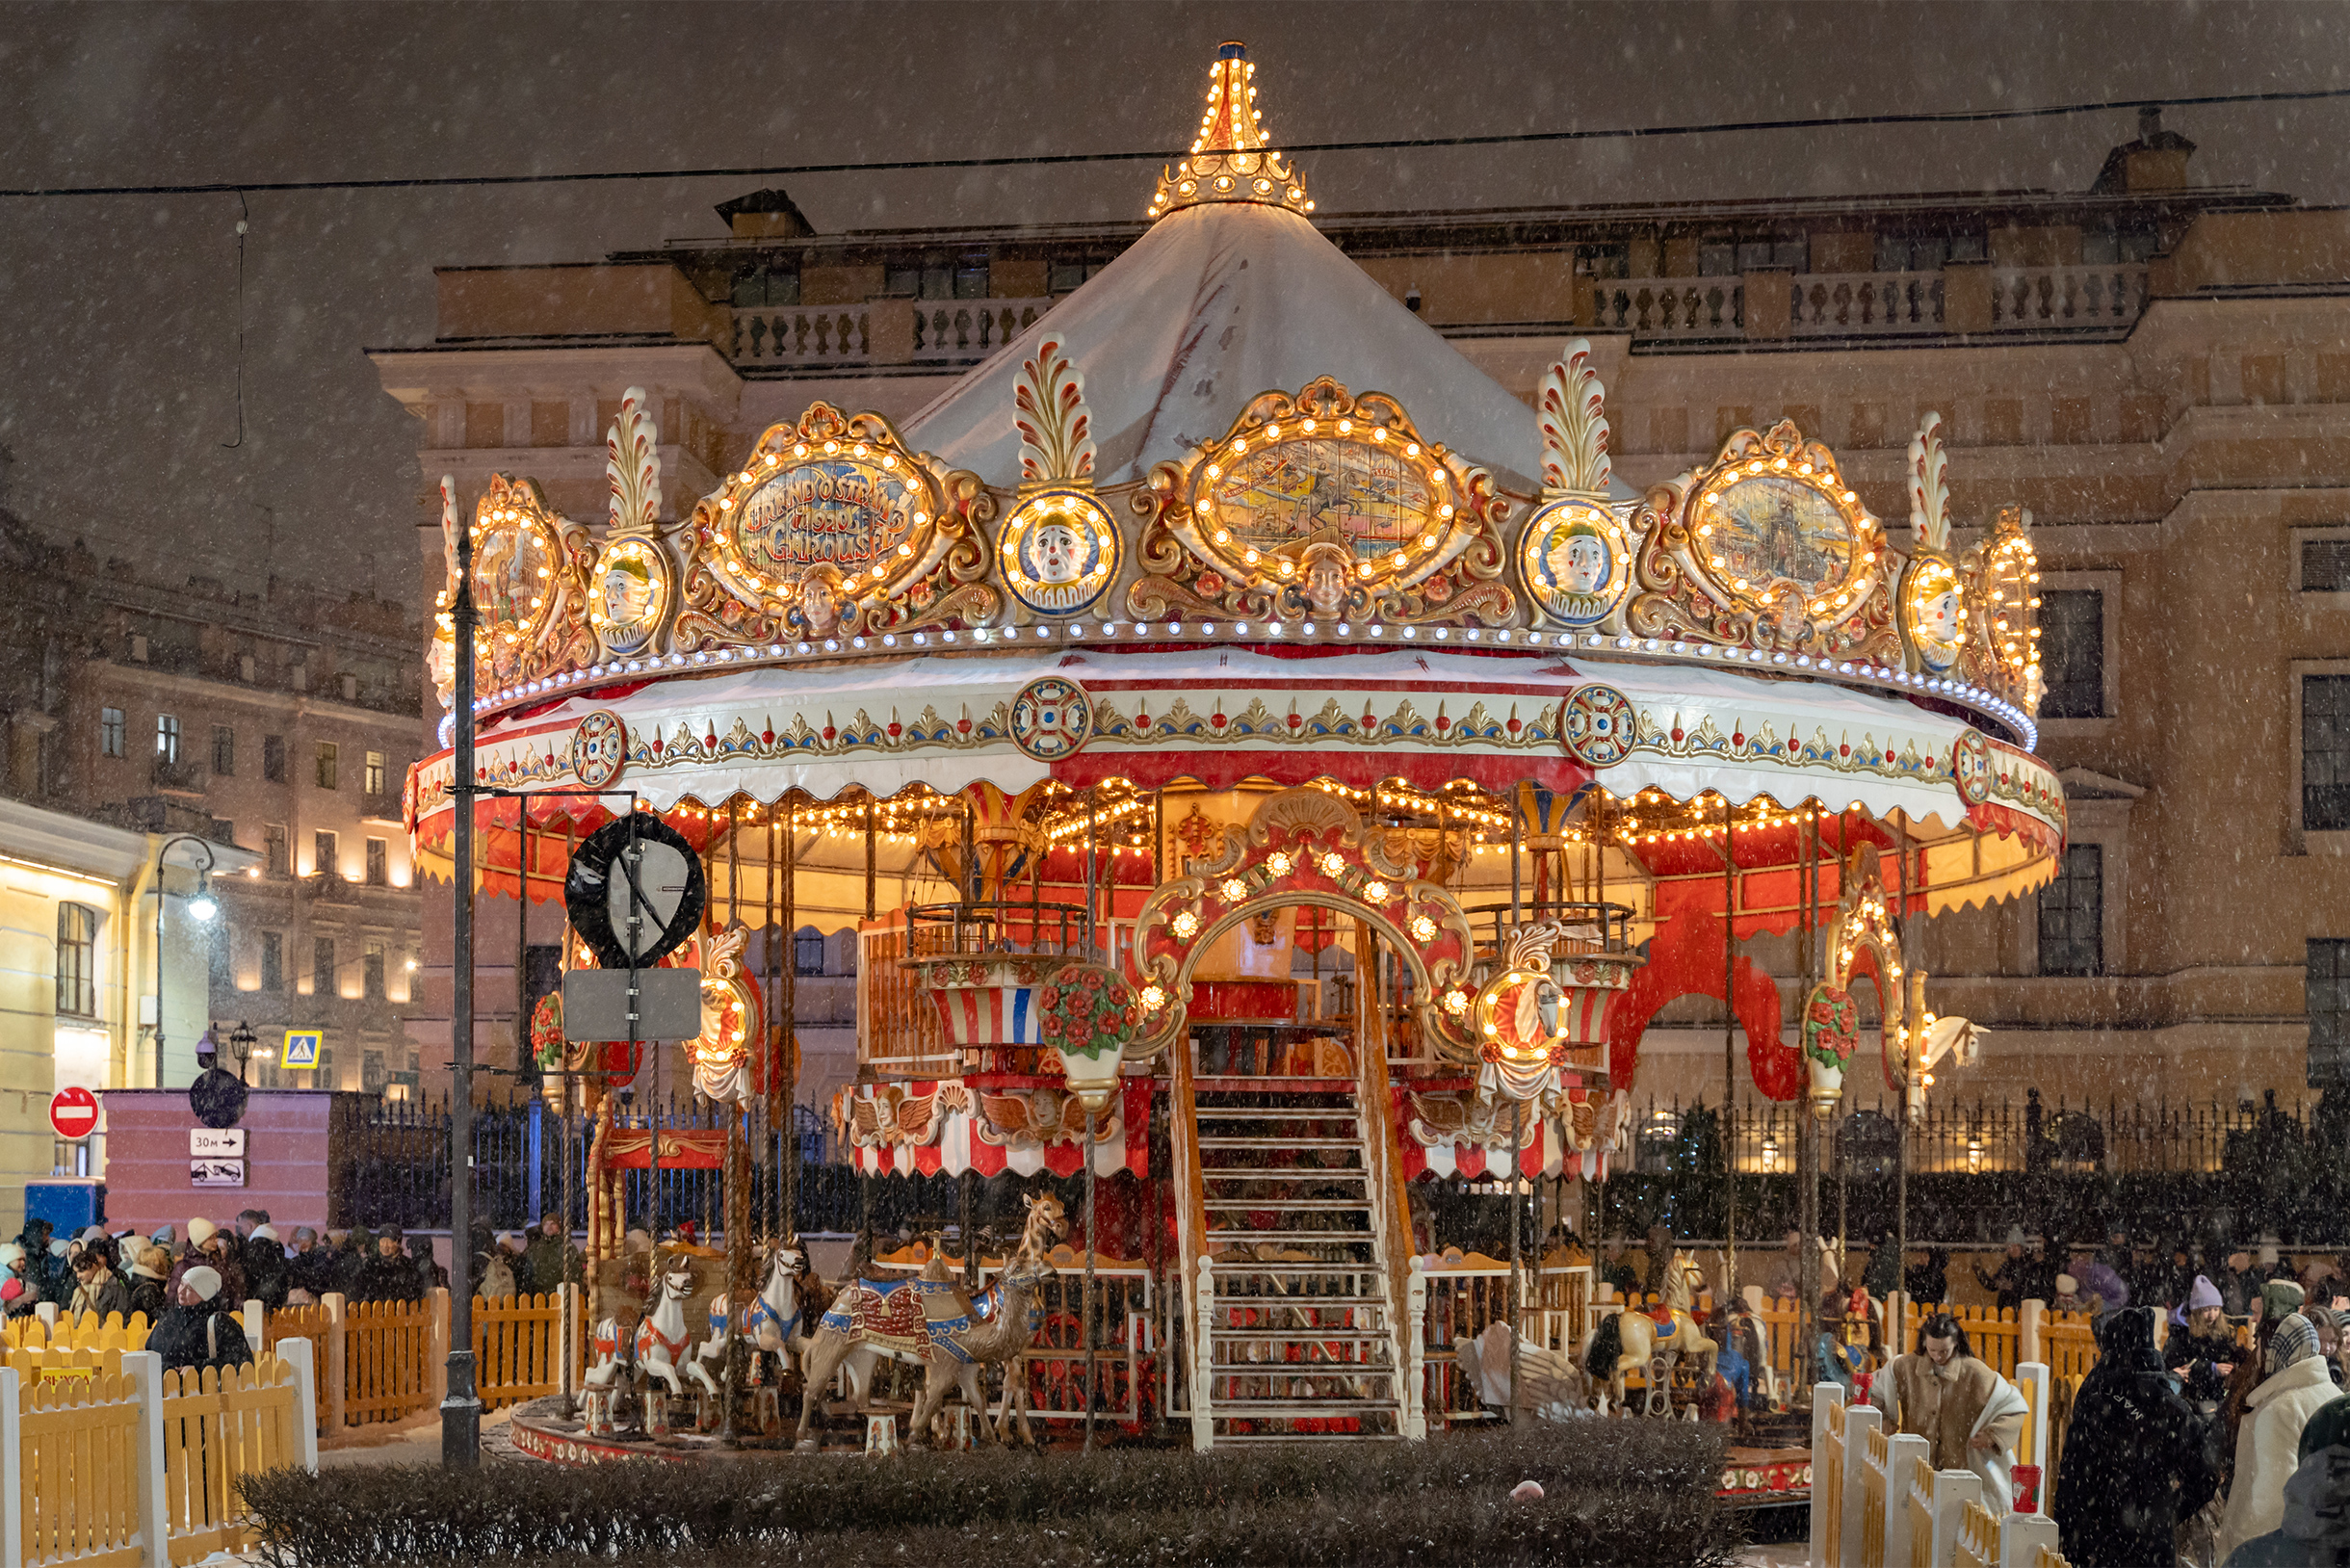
(1391,1223)
(1192,1238)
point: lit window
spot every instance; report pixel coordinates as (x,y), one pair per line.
(77,960)
(167,737)
(375,773)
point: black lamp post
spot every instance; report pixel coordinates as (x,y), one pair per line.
(201,907)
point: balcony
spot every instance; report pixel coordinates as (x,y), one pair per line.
(1968,300)
(183,776)
(330,887)
(879,332)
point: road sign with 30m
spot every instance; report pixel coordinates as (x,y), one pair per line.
(302,1047)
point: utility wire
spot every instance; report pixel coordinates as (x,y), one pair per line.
(1961,117)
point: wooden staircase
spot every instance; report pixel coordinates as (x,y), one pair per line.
(1296,1327)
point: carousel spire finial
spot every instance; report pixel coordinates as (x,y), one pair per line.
(1930,491)
(632,462)
(1056,431)
(1573,412)
(1231,157)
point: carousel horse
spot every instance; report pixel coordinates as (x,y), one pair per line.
(1654,1339)
(774,1323)
(662,1339)
(932,1324)
(607,1375)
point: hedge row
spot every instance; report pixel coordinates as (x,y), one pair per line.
(1619,1491)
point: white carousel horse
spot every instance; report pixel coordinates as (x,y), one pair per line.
(607,1375)
(773,1326)
(662,1339)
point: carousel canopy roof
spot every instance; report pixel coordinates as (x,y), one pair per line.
(1232,291)
(1215,304)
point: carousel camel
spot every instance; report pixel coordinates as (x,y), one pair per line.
(934,1325)
(1644,1342)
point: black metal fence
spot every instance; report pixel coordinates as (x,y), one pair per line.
(2209,1172)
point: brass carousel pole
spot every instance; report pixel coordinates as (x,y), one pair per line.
(1517,1136)
(563,1047)
(1808,1127)
(1730,1057)
(1901,1111)
(784,1104)
(1093,825)
(735,1191)
(865,1182)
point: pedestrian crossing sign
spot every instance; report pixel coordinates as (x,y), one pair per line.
(302,1047)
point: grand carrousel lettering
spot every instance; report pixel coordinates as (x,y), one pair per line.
(845,515)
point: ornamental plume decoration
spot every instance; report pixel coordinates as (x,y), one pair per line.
(449,524)
(1930,491)
(632,462)
(1573,411)
(1530,946)
(1056,431)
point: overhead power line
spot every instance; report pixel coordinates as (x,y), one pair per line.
(1959,117)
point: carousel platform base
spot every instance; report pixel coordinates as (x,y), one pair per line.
(542,1429)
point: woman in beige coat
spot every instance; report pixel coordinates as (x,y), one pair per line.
(2294,1386)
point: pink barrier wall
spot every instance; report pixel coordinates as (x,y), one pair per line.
(286,1164)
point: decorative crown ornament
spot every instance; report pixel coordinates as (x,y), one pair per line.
(1229,159)
(1572,410)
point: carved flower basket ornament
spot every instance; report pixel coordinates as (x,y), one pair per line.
(1831,1030)
(1089,1014)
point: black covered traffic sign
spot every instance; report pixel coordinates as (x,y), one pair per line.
(217,1097)
(635,891)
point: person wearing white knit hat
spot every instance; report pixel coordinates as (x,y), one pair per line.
(200,1329)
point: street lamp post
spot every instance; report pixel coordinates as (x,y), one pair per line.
(462,1409)
(201,907)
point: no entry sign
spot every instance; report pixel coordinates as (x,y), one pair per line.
(73,1112)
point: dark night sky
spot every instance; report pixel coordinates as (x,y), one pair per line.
(117,314)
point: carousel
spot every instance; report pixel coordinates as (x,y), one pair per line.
(1269,768)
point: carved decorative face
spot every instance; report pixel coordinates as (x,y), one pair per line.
(1943,617)
(628,593)
(1326,585)
(1587,564)
(1054,550)
(819,611)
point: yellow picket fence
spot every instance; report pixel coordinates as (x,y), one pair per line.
(218,1427)
(73,1346)
(2068,1343)
(134,1466)
(518,1349)
(388,1361)
(78,1469)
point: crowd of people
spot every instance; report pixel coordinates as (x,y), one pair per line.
(2213,1431)
(186,1285)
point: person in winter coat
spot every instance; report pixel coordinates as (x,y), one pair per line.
(2201,1345)
(1952,1399)
(96,1287)
(550,1261)
(2008,1281)
(2099,1279)
(2294,1385)
(264,1259)
(1883,1275)
(200,1329)
(310,1268)
(20,1285)
(2316,1524)
(2239,1283)
(1928,1283)
(209,1248)
(149,1270)
(351,1248)
(390,1276)
(2137,1458)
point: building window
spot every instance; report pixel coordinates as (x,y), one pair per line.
(373,971)
(327,755)
(274,849)
(326,853)
(2073,914)
(77,960)
(2325,753)
(370,1072)
(378,864)
(167,737)
(322,966)
(2073,653)
(324,1077)
(224,750)
(1068,274)
(375,773)
(2327,984)
(758,286)
(273,759)
(808,953)
(110,732)
(2325,565)
(272,960)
